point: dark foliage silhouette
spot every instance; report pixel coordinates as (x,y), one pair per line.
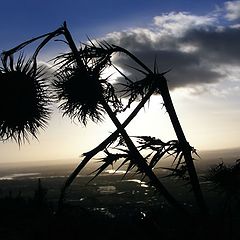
(226,180)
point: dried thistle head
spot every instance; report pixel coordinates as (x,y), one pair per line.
(23,99)
(81,88)
(81,94)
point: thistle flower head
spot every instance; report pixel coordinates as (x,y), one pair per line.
(23,99)
(81,88)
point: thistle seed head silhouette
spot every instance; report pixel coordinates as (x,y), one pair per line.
(23,99)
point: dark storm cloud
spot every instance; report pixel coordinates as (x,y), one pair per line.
(218,46)
(186,68)
(195,51)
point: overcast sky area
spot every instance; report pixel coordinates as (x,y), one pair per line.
(197,40)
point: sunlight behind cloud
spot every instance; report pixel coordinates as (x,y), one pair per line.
(187,48)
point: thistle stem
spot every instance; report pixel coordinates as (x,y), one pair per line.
(186,148)
(179,132)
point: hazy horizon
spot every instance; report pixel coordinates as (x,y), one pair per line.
(211,156)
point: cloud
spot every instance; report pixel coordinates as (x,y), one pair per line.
(233,10)
(178,23)
(195,47)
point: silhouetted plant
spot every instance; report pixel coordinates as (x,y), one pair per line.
(76,64)
(136,157)
(226,181)
(84,95)
(156,82)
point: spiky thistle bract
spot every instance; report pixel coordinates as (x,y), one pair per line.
(156,151)
(159,149)
(151,82)
(23,99)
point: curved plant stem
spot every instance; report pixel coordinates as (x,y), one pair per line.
(48,36)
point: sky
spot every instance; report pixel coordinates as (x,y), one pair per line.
(197,40)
